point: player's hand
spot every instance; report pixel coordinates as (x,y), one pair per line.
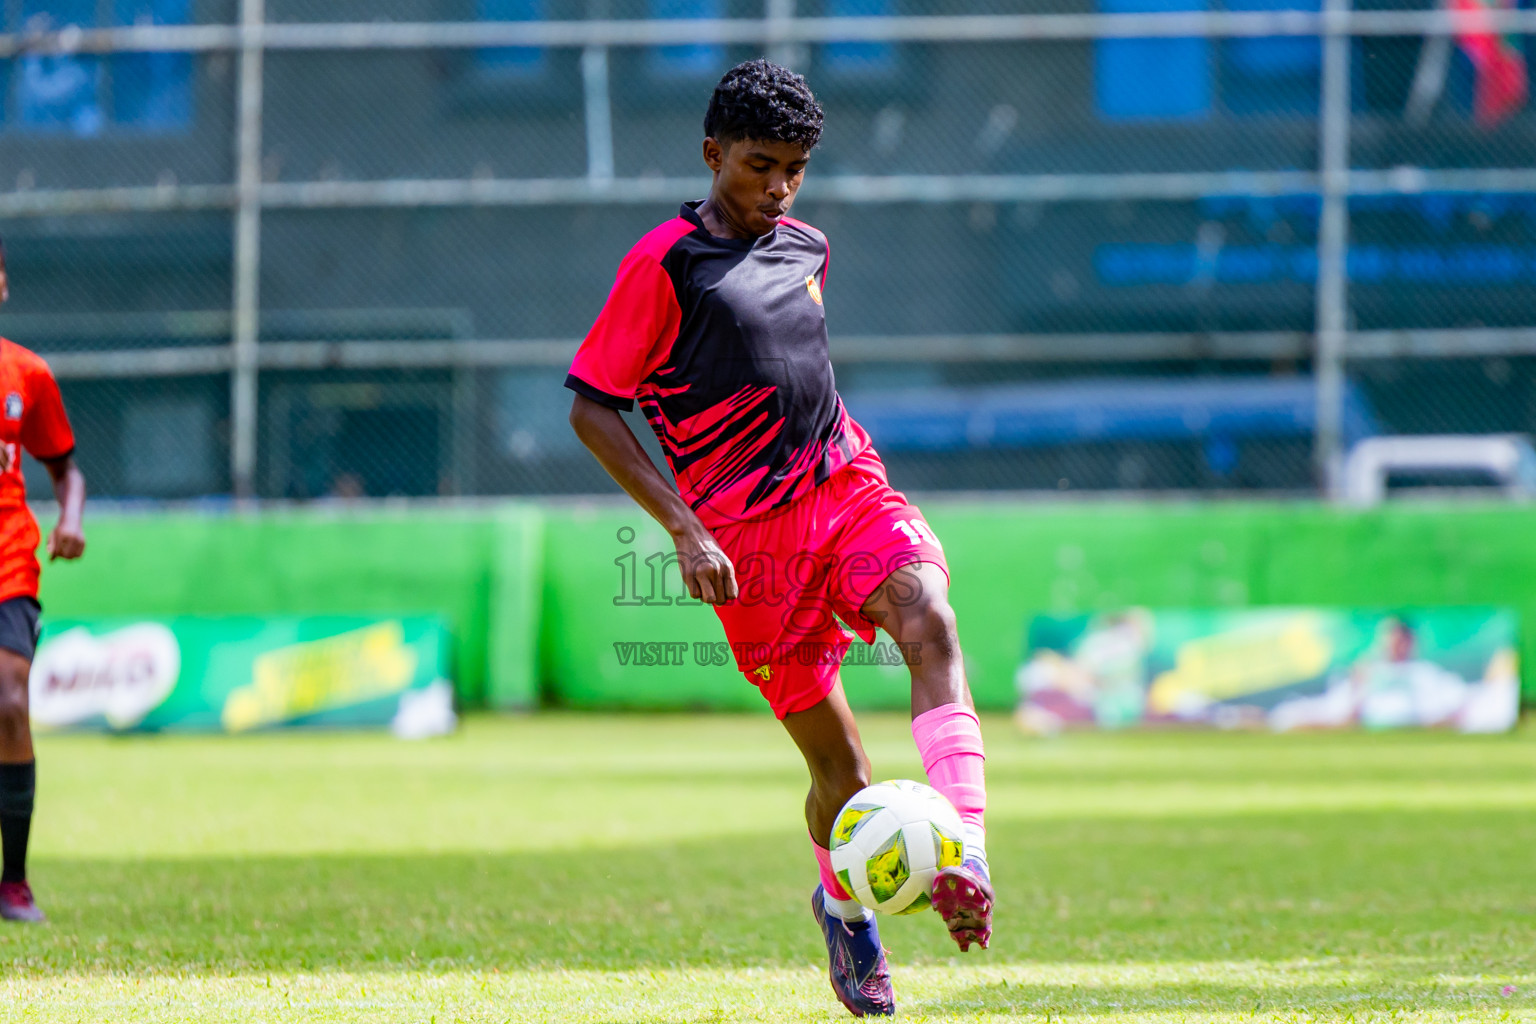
(66,542)
(707,571)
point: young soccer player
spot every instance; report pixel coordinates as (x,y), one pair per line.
(32,418)
(782,515)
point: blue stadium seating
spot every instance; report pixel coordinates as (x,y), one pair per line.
(946,419)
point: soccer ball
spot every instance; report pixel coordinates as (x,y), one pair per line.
(889,842)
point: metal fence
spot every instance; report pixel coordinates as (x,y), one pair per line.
(1132,247)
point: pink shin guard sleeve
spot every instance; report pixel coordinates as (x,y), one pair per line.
(949,742)
(829,880)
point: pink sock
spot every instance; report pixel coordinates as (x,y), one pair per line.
(836,898)
(949,742)
(829,880)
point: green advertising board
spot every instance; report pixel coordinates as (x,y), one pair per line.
(1273,668)
(239,674)
(534,598)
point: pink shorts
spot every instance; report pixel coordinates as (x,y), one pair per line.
(805,568)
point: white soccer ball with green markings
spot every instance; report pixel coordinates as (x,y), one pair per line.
(889,842)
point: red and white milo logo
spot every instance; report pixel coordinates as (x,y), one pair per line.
(119,676)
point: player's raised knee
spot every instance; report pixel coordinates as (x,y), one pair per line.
(928,620)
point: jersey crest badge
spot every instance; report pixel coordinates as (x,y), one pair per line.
(13,406)
(814,288)
(763,672)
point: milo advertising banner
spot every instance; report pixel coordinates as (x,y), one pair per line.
(1278,668)
(237,675)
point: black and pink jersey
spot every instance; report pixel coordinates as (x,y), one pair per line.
(724,342)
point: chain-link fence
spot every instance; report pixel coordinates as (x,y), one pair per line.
(293,250)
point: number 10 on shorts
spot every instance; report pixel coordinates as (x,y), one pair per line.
(918,531)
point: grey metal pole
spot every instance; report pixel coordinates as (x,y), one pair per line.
(1332,247)
(247,268)
(599,115)
(597,29)
(779,14)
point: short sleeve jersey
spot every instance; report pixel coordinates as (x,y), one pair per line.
(31,418)
(724,344)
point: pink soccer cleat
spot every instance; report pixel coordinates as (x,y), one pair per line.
(17,904)
(963,898)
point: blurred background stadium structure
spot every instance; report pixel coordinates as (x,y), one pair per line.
(292,250)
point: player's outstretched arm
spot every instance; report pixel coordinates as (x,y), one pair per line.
(67,541)
(707,572)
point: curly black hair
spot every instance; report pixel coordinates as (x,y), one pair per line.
(759,99)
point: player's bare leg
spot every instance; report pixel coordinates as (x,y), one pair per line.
(15,720)
(828,738)
(17,781)
(913,607)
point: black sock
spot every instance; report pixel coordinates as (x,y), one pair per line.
(17,784)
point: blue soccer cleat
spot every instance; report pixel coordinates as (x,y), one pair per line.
(860,976)
(963,898)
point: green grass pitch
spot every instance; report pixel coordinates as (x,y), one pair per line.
(565,868)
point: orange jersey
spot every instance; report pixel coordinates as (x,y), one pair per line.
(31,417)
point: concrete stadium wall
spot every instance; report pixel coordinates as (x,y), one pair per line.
(533,593)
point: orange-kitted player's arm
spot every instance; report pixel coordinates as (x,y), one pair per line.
(45,432)
(67,541)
